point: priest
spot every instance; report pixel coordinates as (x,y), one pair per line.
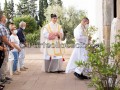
(79,53)
(53,56)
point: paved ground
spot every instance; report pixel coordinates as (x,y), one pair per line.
(35,79)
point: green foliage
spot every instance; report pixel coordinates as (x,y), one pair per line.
(92,30)
(104,73)
(33,38)
(59,2)
(9,9)
(55,2)
(26,7)
(69,19)
(54,9)
(23,7)
(52,2)
(30,21)
(43,4)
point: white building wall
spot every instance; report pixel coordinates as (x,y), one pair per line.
(99,20)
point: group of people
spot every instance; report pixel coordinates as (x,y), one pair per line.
(12,40)
(52,35)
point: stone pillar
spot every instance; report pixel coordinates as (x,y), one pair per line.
(107,19)
(118,8)
(118,16)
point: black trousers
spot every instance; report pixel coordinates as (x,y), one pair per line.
(2,56)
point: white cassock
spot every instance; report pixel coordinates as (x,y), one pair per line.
(52,56)
(79,52)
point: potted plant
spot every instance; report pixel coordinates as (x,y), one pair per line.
(105,66)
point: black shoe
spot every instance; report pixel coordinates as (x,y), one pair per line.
(1,85)
(85,77)
(4,81)
(78,76)
(7,78)
(53,72)
(61,71)
(1,88)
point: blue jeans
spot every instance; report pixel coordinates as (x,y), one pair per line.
(15,62)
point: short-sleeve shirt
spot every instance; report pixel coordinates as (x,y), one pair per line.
(4,32)
(15,40)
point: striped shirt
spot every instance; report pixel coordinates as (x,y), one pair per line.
(4,32)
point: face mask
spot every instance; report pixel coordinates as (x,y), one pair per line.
(23,28)
(86,26)
(15,31)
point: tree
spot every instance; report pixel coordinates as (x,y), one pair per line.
(6,8)
(55,2)
(9,10)
(43,4)
(59,2)
(23,7)
(52,2)
(32,8)
(26,7)
(30,21)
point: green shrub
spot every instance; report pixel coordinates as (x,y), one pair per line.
(32,38)
(30,21)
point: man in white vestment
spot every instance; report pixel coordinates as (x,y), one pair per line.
(79,53)
(53,57)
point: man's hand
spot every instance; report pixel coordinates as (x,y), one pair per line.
(52,36)
(5,40)
(5,49)
(19,50)
(25,44)
(11,46)
(59,35)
